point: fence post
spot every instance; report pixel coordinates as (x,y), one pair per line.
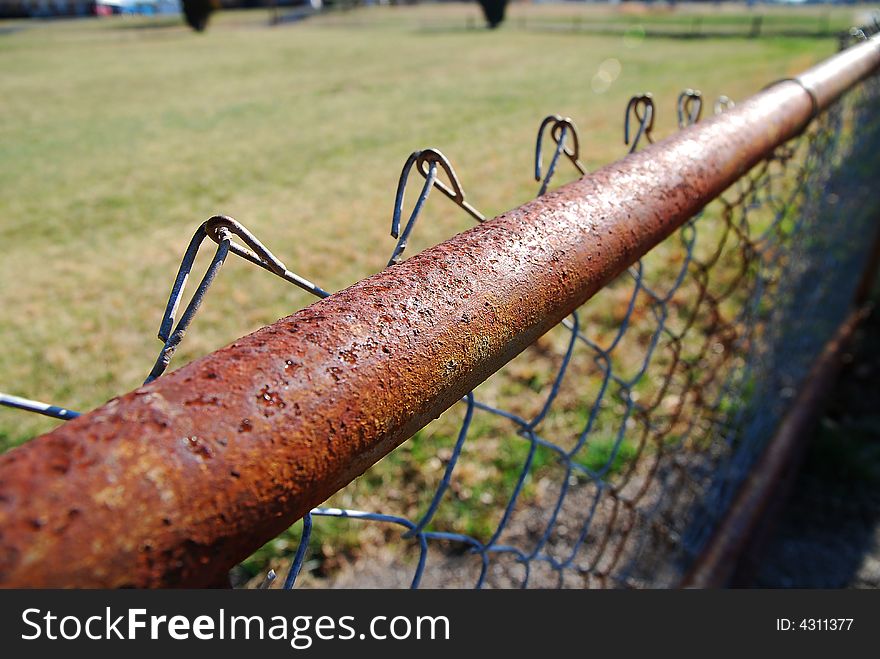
(755,32)
(824,24)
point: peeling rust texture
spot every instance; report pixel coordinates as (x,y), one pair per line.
(174,483)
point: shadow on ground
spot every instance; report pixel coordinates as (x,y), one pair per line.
(828,533)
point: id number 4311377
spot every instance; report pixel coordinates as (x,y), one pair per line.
(814,624)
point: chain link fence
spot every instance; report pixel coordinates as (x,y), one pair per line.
(605,454)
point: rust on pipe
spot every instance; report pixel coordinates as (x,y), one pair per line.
(869,274)
(172,484)
(719,560)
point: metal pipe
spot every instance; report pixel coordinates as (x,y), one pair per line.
(869,274)
(172,484)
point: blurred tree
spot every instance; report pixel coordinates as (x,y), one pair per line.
(197,13)
(493,10)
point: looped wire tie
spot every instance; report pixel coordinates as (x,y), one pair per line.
(642,107)
(690,107)
(221,229)
(427,162)
(560,128)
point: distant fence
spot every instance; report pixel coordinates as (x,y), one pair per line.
(36,9)
(609,363)
(695,26)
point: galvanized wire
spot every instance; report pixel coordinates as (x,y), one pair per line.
(37,407)
(222,230)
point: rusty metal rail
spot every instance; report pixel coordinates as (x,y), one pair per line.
(174,483)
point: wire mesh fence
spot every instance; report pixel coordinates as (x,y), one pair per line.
(605,454)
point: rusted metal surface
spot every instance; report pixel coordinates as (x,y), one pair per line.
(718,562)
(172,484)
(872,269)
(831,79)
